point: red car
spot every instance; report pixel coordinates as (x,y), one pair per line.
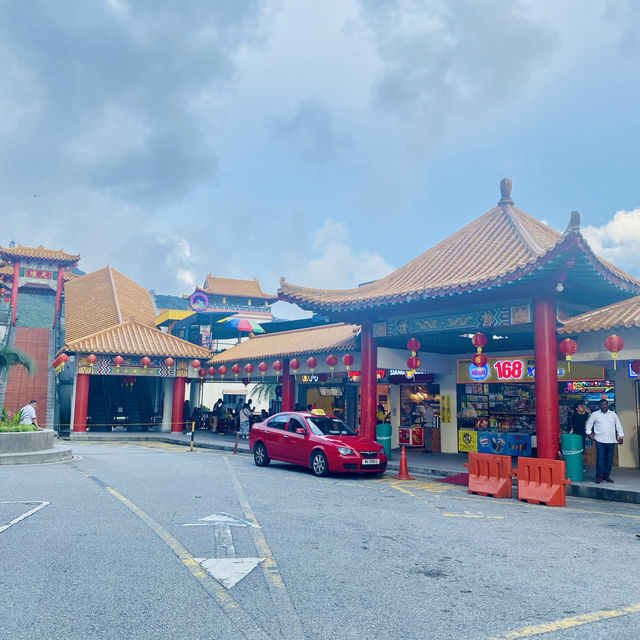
(313,439)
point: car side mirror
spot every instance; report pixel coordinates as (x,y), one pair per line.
(301,431)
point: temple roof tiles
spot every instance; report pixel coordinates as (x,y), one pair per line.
(325,339)
(235,288)
(614,316)
(39,253)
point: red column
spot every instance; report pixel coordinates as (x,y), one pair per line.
(368,381)
(178,404)
(544,343)
(58,294)
(14,290)
(82,400)
(288,388)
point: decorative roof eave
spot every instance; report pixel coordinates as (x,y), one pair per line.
(572,238)
(251,296)
(624,314)
(39,253)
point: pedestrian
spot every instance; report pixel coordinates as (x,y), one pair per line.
(604,427)
(28,414)
(245,420)
(427,424)
(579,419)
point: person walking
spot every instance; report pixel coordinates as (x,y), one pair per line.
(604,427)
(28,414)
(245,420)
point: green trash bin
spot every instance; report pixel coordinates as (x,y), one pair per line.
(571,447)
(383,436)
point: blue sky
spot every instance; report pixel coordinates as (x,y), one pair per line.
(329,142)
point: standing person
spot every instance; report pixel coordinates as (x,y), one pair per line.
(427,425)
(245,420)
(28,414)
(579,419)
(604,427)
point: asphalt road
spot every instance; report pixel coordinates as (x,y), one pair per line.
(105,554)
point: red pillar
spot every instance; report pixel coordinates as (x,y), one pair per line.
(178,404)
(288,388)
(82,401)
(14,290)
(58,294)
(544,342)
(368,381)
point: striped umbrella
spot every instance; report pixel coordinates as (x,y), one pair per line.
(242,324)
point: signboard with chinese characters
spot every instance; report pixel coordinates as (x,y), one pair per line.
(521,369)
(41,274)
(445,408)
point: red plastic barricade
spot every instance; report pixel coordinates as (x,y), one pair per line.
(489,475)
(542,481)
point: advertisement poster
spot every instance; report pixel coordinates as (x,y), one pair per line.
(467,440)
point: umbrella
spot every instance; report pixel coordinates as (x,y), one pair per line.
(242,324)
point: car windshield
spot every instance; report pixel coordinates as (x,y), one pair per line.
(329,427)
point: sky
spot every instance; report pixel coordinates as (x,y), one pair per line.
(327,142)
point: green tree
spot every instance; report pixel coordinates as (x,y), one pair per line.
(10,357)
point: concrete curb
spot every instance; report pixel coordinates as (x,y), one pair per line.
(55,454)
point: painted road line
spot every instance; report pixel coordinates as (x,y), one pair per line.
(568,623)
(287,616)
(471,515)
(41,504)
(245,624)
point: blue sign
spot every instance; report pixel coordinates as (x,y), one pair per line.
(632,373)
(478,373)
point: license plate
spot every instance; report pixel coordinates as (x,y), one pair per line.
(371,461)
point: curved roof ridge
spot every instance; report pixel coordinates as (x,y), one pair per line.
(115,293)
(532,246)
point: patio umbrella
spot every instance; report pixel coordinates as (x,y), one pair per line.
(242,324)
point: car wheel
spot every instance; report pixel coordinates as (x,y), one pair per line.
(319,465)
(260,456)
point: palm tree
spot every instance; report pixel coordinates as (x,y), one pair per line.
(10,357)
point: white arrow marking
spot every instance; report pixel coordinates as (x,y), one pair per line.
(41,505)
(229,571)
(221,518)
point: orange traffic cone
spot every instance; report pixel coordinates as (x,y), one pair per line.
(403,474)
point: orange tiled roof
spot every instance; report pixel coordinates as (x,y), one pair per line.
(39,253)
(233,287)
(500,246)
(614,316)
(325,339)
(135,338)
(103,299)
(6,270)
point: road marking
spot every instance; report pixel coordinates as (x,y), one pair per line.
(41,504)
(229,571)
(289,621)
(471,515)
(216,519)
(568,623)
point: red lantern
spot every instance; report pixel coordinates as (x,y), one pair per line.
(91,358)
(567,348)
(118,360)
(479,359)
(169,362)
(236,370)
(413,345)
(295,365)
(263,367)
(56,363)
(311,363)
(277,366)
(222,370)
(614,344)
(347,360)
(211,371)
(202,373)
(479,340)
(635,366)
(332,361)
(195,364)
(323,377)
(145,362)
(248,369)
(413,363)
(64,358)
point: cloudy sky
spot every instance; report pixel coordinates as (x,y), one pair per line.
(327,142)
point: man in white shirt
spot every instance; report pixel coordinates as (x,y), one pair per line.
(28,414)
(604,427)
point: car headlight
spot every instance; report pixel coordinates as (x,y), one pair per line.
(345,451)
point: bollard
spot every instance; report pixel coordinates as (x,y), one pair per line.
(193,430)
(403,473)
(235,446)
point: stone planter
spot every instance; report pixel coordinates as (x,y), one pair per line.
(25,441)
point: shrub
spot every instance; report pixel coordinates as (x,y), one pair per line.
(9,422)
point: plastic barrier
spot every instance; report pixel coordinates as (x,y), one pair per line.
(489,474)
(571,447)
(542,481)
(383,436)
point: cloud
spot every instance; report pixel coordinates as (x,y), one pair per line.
(312,131)
(452,59)
(618,240)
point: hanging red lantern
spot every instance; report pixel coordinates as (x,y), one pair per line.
(91,358)
(64,358)
(413,363)
(294,365)
(479,340)
(635,366)
(332,361)
(56,363)
(323,377)
(277,366)
(347,360)
(614,344)
(311,363)
(479,359)
(567,348)
(413,345)
(263,367)
(222,370)
(211,371)
(169,362)
(236,370)
(195,364)
(248,369)
(118,360)
(145,362)
(202,373)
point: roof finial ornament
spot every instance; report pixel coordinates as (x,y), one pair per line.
(505,191)
(574,222)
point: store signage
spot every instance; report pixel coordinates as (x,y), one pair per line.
(632,373)
(308,378)
(38,274)
(199,301)
(354,376)
(522,369)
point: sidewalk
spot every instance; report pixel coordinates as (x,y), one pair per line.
(625,489)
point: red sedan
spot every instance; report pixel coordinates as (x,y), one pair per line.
(312,439)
